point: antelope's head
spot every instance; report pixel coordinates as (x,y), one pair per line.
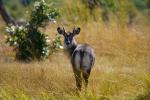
(69,40)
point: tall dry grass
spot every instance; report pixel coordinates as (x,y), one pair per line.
(122,62)
(121,70)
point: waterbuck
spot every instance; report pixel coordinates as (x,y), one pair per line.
(82,56)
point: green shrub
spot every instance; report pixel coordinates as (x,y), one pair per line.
(28,42)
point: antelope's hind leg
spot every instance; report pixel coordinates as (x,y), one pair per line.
(78,79)
(76,62)
(86,75)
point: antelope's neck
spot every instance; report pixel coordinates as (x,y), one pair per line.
(71,49)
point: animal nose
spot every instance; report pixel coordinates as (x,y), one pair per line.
(68,42)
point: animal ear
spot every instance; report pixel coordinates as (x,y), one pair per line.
(61,31)
(76,30)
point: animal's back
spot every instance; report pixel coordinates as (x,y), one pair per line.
(83,57)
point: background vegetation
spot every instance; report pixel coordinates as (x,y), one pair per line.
(118,30)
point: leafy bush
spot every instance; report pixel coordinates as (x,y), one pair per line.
(28,42)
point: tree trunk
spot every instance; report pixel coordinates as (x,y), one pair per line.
(6,17)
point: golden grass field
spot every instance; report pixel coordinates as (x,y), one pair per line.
(121,70)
